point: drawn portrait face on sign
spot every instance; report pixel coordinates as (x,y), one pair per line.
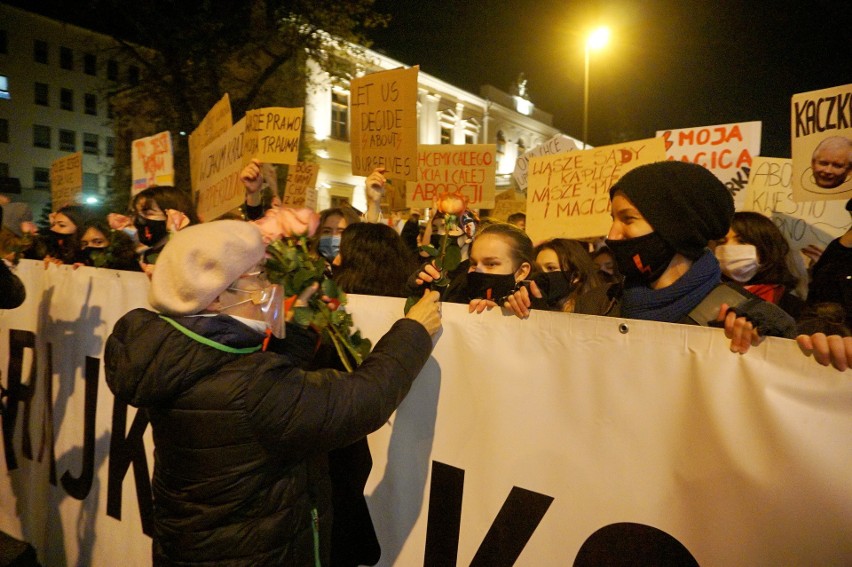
(831,162)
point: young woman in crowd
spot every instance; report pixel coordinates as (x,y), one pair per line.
(566,270)
(333,222)
(501,257)
(756,255)
(105,248)
(605,262)
(159,211)
(373,260)
(61,243)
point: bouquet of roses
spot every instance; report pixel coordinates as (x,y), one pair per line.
(290,263)
(447,256)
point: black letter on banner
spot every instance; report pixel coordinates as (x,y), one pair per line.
(121,452)
(444,522)
(512,528)
(632,544)
(18,393)
(79,487)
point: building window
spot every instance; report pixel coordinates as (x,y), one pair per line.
(90,64)
(68,140)
(112,70)
(90,143)
(108,182)
(90,182)
(40,51)
(501,142)
(66,99)
(446,135)
(339,115)
(41,178)
(4,44)
(4,169)
(133,75)
(4,87)
(522,146)
(470,138)
(41,136)
(42,97)
(66,58)
(91,104)
(110,110)
(4,131)
(110,146)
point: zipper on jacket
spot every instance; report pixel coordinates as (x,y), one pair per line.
(315,529)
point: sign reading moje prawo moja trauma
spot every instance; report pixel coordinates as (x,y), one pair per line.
(703,447)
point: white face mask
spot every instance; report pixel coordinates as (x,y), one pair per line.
(738,261)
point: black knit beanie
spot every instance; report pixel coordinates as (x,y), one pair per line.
(685,203)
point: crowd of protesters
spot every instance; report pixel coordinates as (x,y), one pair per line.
(676,252)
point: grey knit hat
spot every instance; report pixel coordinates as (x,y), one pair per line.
(685,203)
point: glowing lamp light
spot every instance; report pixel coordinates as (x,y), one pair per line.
(598,38)
(91,200)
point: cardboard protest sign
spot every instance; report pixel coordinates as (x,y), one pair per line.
(805,223)
(66,180)
(301,179)
(821,132)
(219,187)
(726,149)
(215,123)
(568,194)
(555,145)
(470,169)
(383,114)
(272,135)
(152,162)
(507,203)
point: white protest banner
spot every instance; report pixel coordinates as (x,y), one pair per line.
(152,162)
(568,194)
(66,180)
(272,135)
(219,187)
(470,169)
(821,142)
(558,144)
(726,150)
(216,122)
(703,445)
(301,179)
(804,224)
(383,113)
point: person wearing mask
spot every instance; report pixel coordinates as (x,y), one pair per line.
(241,434)
(333,222)
(105,248)
(158,212)
(60,244)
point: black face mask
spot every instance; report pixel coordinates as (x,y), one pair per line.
(150,231)
(555,286)
(435,240)
(489,286)
(642,259)
(57,244)
(91,256)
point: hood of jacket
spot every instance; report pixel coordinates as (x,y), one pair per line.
(151,359)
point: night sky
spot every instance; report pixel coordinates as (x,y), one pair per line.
(669,64)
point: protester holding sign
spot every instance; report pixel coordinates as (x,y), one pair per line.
(240,434)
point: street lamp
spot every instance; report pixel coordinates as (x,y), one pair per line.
(596,40)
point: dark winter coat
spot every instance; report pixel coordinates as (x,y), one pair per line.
(236,434)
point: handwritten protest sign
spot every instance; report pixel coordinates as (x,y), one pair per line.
(217,121)
(470,169)
(507,203)
(806,223)
(726,149)
(66,180)
(556,145)
(152,162)
(821,132)
(301,179)
(568,194)
(383,113)
(272,135)
(219,187)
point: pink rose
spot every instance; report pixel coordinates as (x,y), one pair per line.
(298,222)
(118,222)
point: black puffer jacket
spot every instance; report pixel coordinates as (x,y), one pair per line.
(235,434)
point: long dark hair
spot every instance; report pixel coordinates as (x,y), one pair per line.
(772,248)
(374,261)
(574,258)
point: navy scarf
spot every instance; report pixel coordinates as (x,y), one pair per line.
(671,304)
